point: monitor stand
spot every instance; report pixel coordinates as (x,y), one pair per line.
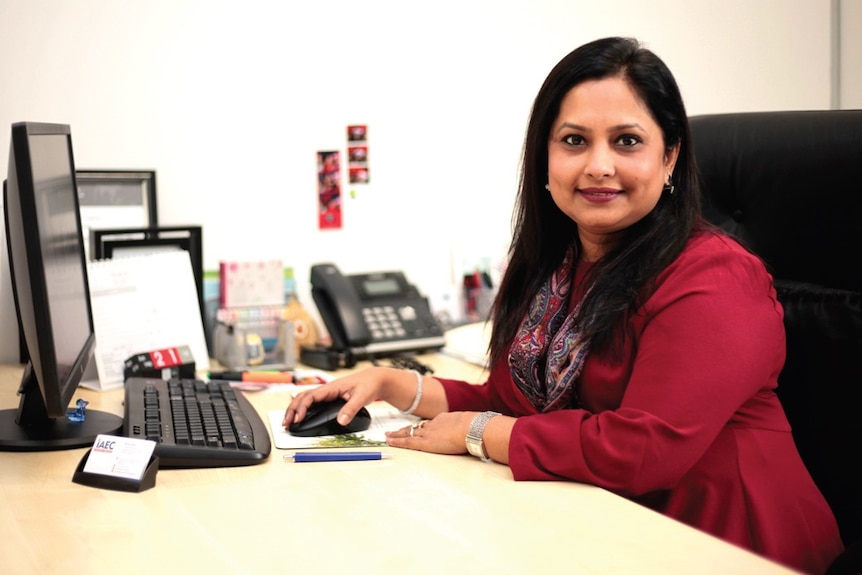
(29,428)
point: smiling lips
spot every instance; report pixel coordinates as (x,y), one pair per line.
(599,194)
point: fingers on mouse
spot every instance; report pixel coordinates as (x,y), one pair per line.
(322,419)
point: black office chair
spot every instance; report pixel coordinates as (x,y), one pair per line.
(789,185)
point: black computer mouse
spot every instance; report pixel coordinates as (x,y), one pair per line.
(320,419)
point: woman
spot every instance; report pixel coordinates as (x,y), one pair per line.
(634,346)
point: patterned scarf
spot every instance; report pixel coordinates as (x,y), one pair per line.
(548,351)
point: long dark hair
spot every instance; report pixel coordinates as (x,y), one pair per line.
(542,234)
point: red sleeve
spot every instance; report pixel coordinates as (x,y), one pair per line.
(496,394)
(461,396)
(705,353)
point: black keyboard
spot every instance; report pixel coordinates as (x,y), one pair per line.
(195,423)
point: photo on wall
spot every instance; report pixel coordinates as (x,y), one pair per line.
(329,190)
(357,154)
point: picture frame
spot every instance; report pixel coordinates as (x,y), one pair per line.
(112,199)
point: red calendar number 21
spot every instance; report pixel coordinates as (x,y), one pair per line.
(165,357)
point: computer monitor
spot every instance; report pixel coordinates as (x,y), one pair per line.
(52,299)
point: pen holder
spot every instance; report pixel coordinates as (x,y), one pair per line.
(254,337)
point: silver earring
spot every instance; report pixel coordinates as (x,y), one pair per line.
(669,187)
(548,187)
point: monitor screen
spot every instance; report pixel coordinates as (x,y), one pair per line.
(49,282)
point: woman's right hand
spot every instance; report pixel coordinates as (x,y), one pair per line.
(357,389)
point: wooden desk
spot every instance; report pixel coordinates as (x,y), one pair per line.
(415,513)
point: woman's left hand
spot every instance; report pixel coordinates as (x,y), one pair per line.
(446,434)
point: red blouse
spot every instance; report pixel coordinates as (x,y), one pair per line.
(688,423)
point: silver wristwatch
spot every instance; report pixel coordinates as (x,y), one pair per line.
(475,444)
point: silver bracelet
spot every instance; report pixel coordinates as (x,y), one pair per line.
(475,442)
(418,398)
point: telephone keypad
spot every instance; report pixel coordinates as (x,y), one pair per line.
(391,322)
(383,322)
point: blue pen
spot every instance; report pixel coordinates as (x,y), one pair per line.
(311,456)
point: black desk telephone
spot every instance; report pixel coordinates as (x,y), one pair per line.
(373,314)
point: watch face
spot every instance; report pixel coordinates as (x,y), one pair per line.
(475,449)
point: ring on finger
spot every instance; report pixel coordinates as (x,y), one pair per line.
(418,425)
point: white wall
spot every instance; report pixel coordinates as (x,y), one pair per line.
(230,100)
(850,54)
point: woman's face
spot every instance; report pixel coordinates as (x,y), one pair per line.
(607,162)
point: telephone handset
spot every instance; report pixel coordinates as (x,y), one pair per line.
(375,313)
(339,307)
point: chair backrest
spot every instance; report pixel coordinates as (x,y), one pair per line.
(788,185)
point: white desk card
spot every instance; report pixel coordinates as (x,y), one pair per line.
(120,456)
(142,303)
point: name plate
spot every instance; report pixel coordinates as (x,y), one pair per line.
(120,456)
(119,463)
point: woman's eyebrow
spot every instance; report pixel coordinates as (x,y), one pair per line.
(617,128)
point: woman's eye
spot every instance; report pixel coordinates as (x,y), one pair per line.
(628,140)
(573,140)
